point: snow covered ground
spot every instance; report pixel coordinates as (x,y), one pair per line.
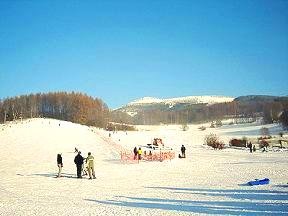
(206,182)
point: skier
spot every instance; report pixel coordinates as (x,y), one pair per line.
(78,160)
(90,165)
(59,164)
(135,153)
(183,149)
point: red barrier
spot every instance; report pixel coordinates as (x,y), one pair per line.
(155,156)
(128,156)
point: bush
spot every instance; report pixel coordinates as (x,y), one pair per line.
(213,141)
(218,123)
(184,127)
(263,143)
(202,128)
(119,127)
(238,142)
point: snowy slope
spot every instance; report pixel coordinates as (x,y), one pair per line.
(147,103)
(189,99)
(206,182)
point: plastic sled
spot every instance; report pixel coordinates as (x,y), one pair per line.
(259,182)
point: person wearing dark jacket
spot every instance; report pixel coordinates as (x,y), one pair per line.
(78,160)
(183,149)
(59,164)
(135,153)
(250,147)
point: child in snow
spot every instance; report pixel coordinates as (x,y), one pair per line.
(139,153)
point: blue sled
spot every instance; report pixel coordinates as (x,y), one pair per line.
(259,182)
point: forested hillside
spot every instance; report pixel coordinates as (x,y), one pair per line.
(74,107)
(83,109)
(249,107)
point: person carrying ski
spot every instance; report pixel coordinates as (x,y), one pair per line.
(59,164)
(78,160)
(90,165)
(75,150)
(183,149)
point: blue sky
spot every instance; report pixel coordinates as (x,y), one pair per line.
(124,50)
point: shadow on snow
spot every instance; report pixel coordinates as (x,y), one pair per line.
(246,202)
(51,175)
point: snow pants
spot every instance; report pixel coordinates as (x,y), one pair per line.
(79,170)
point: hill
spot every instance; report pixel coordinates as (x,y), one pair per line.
(266,98)
(74,107)
(180,103)
(195,109)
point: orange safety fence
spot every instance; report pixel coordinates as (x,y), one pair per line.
(128,156)
(155,156)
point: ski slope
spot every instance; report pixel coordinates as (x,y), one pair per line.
(206,182)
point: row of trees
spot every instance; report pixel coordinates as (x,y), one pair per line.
(200,113)
(83,109)
(74,107)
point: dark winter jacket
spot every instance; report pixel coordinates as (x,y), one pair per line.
(59,159)
(183,149)
(78,160)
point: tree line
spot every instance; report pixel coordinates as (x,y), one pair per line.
(74,107)
(83,109)
(269,110)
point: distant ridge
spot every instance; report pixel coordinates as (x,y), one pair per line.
(191,109)
(266,98)
(178,103)
(188,99)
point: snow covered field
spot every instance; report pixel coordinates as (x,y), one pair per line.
(206,182)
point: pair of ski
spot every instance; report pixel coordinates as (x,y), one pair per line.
(72,177)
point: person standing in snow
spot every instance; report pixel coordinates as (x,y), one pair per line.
(250,147)
(90,165)
(59,164)
(183,149)
(135,153)
(78,160)
(139,153)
